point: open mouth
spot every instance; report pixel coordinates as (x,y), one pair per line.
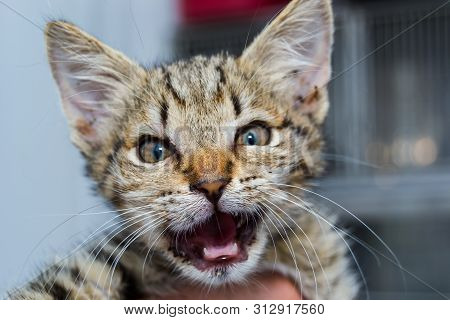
(220,241)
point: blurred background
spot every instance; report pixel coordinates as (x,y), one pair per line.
(387,132)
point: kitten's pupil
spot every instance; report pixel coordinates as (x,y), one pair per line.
(250,138)
(158,152)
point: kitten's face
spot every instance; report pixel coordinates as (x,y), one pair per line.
(200,147)
(192,149)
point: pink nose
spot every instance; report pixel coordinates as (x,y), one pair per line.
(213,190)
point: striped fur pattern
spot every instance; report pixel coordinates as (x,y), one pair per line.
(198,106)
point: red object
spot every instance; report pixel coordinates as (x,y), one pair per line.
(193,11)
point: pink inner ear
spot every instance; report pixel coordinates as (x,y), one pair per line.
(85,129)
(308,103)
(318,74)
(310,82)
(84,102)
(87,118)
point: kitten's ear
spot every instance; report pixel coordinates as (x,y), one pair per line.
(292,55)
(94,80)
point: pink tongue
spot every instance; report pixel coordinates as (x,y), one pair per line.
(230,250)
(217,238)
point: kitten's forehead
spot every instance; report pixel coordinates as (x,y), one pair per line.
(199,79)
(195,100)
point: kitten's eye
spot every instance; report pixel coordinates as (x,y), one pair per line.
(152,150)
(254,135)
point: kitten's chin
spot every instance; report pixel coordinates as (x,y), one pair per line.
(221,249)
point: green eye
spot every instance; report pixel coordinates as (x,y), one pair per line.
(255,135)
(153,150)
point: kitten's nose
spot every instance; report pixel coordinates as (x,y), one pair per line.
(213,190)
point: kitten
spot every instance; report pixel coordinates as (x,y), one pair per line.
(195,156)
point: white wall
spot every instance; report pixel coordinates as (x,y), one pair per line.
(42,179)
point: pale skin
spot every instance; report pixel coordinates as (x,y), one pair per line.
(262,287)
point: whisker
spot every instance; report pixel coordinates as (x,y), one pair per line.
(302,245)
(374,252)
(147,228)
(129,239)
(61,265)
(320,217)
(100,229)
(153,223)
(345,242)
(154,243)
(354,216)
(290,248)
(308,239)
(344,158)
(97,249)
(259,213)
